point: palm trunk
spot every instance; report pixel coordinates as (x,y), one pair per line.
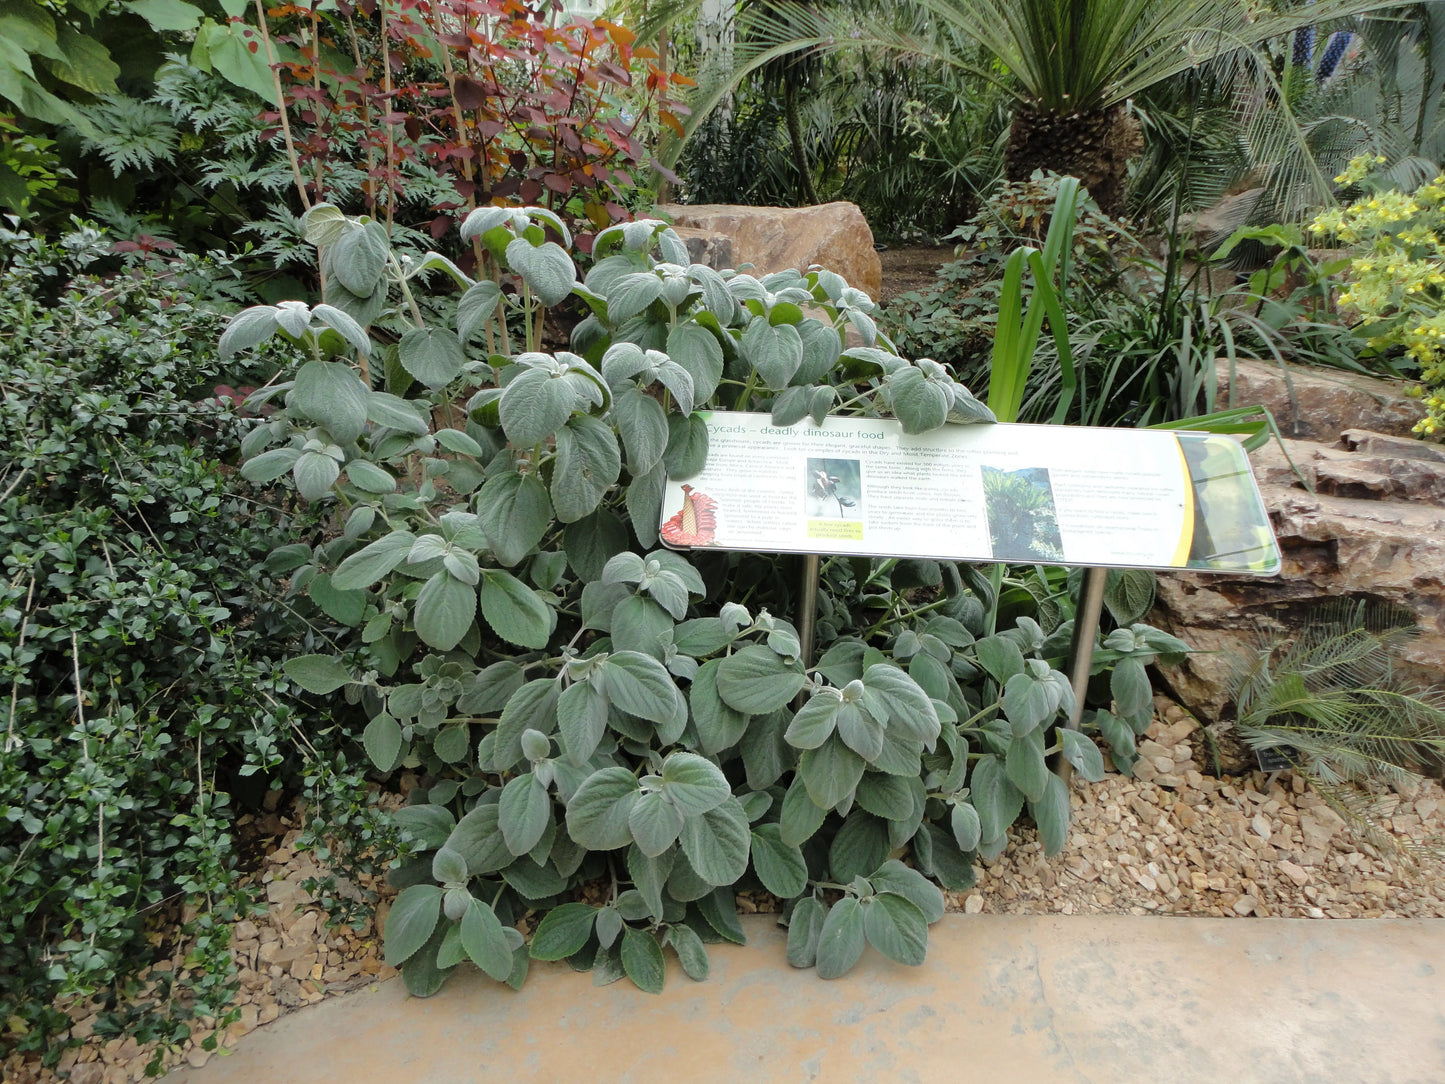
(1094,146)
(795,135)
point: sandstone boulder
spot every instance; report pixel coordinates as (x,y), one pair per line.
(711,249)
(1359,515)
(833,235)
(1316,403)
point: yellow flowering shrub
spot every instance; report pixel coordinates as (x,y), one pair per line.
(1396,280)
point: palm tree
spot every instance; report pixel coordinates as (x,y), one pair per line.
(1069,66)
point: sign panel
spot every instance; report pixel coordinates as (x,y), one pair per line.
(1025,494)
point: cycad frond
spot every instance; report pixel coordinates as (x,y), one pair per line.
(1333,694)
(1363,812)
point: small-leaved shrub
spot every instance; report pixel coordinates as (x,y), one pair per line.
(612,738)
(140,641)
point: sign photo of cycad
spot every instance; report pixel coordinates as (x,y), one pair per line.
(1023,521)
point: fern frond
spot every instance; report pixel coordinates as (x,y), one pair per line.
(130,134)
(204,100)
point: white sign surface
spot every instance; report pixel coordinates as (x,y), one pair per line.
(1028,494)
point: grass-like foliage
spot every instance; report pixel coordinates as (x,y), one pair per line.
(613,736)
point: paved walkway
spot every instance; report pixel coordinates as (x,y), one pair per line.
(1001,999)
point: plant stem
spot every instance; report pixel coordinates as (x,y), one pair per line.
(747,394)
(390,132)
(281,107)
(980,714)
(10,740)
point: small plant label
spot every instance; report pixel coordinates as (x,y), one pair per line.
(1044,494)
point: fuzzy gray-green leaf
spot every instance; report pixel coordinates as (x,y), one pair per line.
(841,940)
(515,514)
(432,355)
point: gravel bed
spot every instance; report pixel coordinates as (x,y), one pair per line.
(1172,840)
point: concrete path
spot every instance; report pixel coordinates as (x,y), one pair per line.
(1001,999)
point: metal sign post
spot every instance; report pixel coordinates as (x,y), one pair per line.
(808,607)
(1081,649)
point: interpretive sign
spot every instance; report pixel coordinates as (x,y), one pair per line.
(1026,494)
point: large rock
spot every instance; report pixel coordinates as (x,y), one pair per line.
(1365,522)
(1317,403)
(832,235)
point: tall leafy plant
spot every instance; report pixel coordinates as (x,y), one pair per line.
(612,736)
(469,103)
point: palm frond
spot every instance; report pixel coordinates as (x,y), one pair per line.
(1364,811)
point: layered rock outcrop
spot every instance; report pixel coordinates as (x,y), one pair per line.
(1358,507)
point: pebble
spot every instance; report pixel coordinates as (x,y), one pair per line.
(1237,846)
